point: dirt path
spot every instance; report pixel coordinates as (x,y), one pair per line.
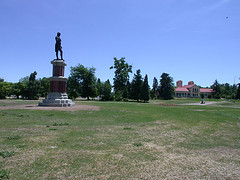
(213,103)
(36,107)
(206,103)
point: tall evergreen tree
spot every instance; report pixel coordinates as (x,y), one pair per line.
(136,85)
(216,89)
(129,90)
(144,95)
(99,86)
(166,89)
(238,92)
(154,91)
(107,91)
(122,70)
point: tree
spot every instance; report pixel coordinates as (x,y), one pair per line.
(122,70)
(44,87)
(166,90)
(238,92)
(22,86)
(17,89)
(136,85)
(144,95)
(129,90)
(72,88)
(154,88)
(28,87)
(216,89)
(107,91)
(84,81)
(5,89)
(99,87)
(104,90)
(33,87)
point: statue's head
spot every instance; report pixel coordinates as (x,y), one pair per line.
(58,34)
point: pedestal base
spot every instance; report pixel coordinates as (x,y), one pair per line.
(57,99)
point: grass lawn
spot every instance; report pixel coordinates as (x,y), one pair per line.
(123,140)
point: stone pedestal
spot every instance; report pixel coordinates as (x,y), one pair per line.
(58,83)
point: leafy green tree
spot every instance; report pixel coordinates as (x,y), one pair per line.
(33,87)
(217,95)
(136,85)
(24,80)
(1,80)
(166,89)
(17,89)
(5,89)
(154,90)
(227,89)
(44,87)
(122,70)
(84,81)
(144,94)
(22,86)
(28,87)
(72,88)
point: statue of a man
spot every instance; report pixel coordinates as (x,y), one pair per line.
(58,46)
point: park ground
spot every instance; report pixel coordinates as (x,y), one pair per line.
(177,139)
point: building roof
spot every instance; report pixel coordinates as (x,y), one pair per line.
(182,89)
(206,90)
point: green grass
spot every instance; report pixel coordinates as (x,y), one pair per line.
(122,140)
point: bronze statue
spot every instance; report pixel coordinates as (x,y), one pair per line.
(58,46)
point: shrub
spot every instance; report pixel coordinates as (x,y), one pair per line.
(14,137)
(3,174)
(61,124)
(5,154)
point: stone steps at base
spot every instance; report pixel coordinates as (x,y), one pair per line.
(57,103)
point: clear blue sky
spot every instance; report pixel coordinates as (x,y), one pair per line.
(192,40)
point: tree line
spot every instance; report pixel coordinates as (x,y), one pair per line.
(27,88)
(82,82)
(225,90)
